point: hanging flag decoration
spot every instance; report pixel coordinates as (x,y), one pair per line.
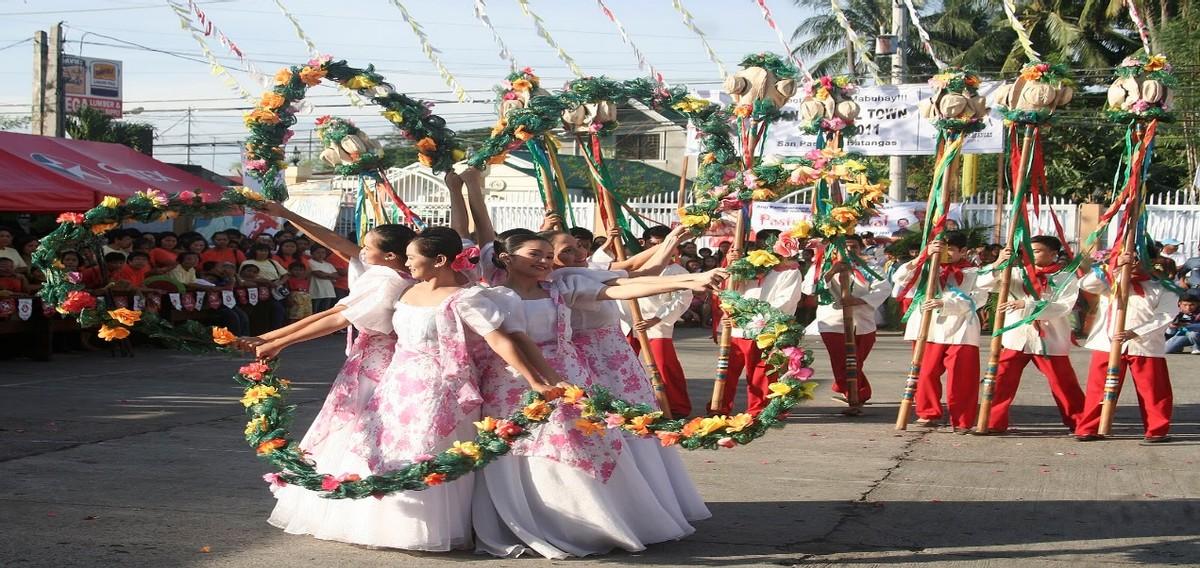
(642,63)
(787,47)
(540,25)
(915,20)
(431,53)
(1010,10)
(210,29)
(481,15)
(856,40)
(185,22)
(690,22)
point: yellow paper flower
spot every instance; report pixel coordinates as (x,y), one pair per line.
(110,202)
(521,85)
(358,82)
(695,220)
(311,76)
(710,425)
(763,195)
(691,105)
(110,333)
(486,425)
(250,194)
(537,410)
(855,166)
(467,449)
(258,424)
(261,116)
(1155,62)
(589,428)
(125,316)
(767,337)
(709,158)
(739,422)
(257,394)
(726,307)
(762,258)
(271,100)
(779,389)
(457,155)
(425,159)
(283,76)
(844,215)
(394,116)
(802,229)
(821,94)
(573,394)
(222,336)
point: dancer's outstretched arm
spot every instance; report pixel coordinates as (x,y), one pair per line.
(340,245)
(460,219)
(485,232)
(319,328)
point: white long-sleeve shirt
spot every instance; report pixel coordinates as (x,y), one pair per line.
(1050,333)
(667,307)
(780,288)
(1146,314)
(829,316)
(956,322)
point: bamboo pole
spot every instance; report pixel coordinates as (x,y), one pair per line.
(1001,195)
(1112,385)
(988,384)
(605,199)
(548,186)
(931,290)
(683,172)
(848,332)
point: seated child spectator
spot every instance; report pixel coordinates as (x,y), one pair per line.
(10,281)
(94,278)
(299,301)
(134,273)
(223,276)
(1183,333)
(185,272)
(322,274)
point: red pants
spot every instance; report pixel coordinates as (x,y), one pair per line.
(1153,384)
(961,365)
(671,371)
(835,343)
(1064,386)
(744,354)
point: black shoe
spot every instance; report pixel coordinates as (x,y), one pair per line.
(1088,438)
(1152,440)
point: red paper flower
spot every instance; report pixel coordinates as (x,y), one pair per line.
(73,218)
(77,301)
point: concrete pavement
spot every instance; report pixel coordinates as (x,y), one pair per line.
(140,462)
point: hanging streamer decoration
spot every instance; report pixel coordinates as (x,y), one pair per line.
(859,45)
(431,53)
(542,32)
(643,64)
(211,29)
(690,22)
(915,19)
(766,13)
(1010,10)
(185,22)
(481,15)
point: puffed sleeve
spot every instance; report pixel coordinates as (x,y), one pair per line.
(369,305)
(509,307)
(577,288)
(491,274)
(478,312)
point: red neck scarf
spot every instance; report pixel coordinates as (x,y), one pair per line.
(946,271)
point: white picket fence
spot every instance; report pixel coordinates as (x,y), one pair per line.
(1174,215)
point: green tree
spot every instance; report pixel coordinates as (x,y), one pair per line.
(91,124)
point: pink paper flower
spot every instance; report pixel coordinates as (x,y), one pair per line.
(813,155)
(320,60)
(186,195)
(74,277)
(254,371)
(510,96)
(835,123)
(1141,105)
(796,368)
(726,442)
(730,203)
(73,218)
(330,483)
(614,420)
(422,458)
(275,480)
(256,165)
(749,179)
(786,246)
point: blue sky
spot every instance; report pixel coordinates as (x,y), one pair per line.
(362,32)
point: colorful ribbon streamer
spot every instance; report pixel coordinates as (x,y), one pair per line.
(481,15)
(766,13)
(690,22)
(855,40)
(642,63)
(1010,10)
(185,22)
(543,33)
(1140,24)
(313,51)
(432,54)
(210,29)
(915,19)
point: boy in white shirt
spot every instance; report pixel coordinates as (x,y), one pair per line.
(952,344)
(1046,341)
(1149,310)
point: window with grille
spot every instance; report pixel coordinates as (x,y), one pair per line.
(639,146)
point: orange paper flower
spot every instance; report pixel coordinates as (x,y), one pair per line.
(691,427)
(669,438)
(427,145)
(101,228)
(425,160)
(521,85)
(573,394)
(125,316)
(262,116)
(271,100)
(537,410)
(283,76)
(522,133)
(222,336)
(311,76)
(743,111)
(844,215)
(589,428)
(435,479)
(638,424)
(110,333)
(270,446)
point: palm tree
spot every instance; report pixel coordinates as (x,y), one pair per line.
(91,124)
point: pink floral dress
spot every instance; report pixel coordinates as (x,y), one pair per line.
(426,399)
(560,493)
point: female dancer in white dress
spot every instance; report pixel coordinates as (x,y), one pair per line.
(425,399)
(601,343)
(560,492)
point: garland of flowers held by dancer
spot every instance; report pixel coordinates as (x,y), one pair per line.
(77,231)
(776,333)
(270,121)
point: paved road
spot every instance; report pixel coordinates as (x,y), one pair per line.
(140,462)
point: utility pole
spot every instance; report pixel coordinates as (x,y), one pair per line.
(189,135)
(897,164)
(49,98)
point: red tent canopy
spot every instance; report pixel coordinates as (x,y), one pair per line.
(41,174)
